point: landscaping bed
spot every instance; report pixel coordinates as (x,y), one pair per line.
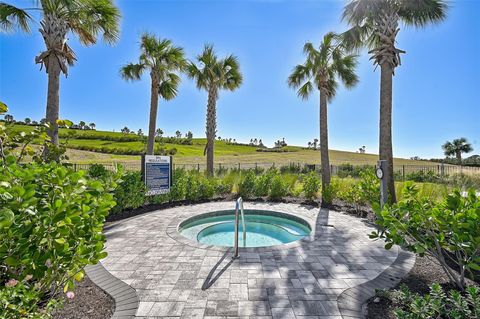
(90,302)
(424,273)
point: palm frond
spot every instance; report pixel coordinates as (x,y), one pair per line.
(91,18)
(12,17)
(168,88)
(421,12)
(305,90)
(132,71)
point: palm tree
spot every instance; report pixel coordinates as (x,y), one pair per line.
(213,74)
(9,118)
(322,70)
(162,60)
(457,147)
(84,18)
(28,121)
(82,124)
(92,125)
(375,24)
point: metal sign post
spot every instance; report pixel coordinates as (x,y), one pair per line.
(380,172)
(157,174)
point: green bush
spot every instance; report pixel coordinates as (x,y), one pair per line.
(311,186)
(223,187)
(191,185)
(278,188)
(179,187)
(423,177)
(206,187)
(130,192)
(51,221)
(445,231)
(263,183)
(21,301)
(246,187)
(98,171)
(436,304)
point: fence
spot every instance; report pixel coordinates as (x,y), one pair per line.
(342,170)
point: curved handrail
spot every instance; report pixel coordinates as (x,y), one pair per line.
(239,206)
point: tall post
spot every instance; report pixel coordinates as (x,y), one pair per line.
(381,169)
(403,172)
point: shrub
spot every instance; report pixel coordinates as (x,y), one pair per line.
(278,188)
(223,187)
(445,230)
(263,183)
(436,304)
(247,185)
(179,187)
(51,220)
(21,301)
(330,192)
(191,186)
(423,177)
(206,187)
(311,186)
(98,171)
(130,192)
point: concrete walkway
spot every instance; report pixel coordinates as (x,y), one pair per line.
(327,275)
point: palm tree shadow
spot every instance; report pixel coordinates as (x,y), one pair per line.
(210,280)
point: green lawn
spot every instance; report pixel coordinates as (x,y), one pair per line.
(193,154)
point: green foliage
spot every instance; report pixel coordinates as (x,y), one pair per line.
(246,189)
(311,186)
(443,230)
(278,187)
(436,304)
(423,176)
(330,192)
(264,182)
(22,301)
(130,192)
(51,219)
(364,191)
(349,170)
(98,171)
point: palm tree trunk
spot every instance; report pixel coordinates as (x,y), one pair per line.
(153,116)
(326,200)
(53,101)
(459,157)
(211,128)
(385,145)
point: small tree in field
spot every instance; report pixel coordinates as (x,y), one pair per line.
(456,148)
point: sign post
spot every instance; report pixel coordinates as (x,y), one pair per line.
(380,169)
(157,174)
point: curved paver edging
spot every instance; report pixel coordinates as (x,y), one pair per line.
(351,301)
(125,297)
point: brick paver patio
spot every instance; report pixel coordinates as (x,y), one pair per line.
(328,275)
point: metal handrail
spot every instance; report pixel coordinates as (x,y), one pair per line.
(239,207)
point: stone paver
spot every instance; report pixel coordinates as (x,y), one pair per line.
(329,274)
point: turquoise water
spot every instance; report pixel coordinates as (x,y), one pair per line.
(262,230)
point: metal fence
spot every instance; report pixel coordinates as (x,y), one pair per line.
(342,170)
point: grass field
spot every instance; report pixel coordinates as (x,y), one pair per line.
(193,154)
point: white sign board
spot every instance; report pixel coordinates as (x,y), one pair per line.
(157,174)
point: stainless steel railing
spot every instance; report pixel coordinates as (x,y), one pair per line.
(239,207)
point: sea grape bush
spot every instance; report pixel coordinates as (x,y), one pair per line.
(51,220)
(446,230)
(436,304)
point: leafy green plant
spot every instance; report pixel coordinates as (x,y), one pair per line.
(447,231)
(130,192)
(436,304)
(263,183)
(247,185)
(311,186)
(98,171)
(51,221)
(19,300)
(278,188)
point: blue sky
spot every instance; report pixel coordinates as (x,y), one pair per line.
(435,88)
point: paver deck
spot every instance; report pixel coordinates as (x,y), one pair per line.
(327,275)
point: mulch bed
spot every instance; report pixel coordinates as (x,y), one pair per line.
(90,302)
(424,273)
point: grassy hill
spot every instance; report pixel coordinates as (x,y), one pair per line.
(97,146)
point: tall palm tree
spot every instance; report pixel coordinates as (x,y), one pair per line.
(212,75)
(375,24)
(456,148)
(163,61)
(322,70)
(84,18)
